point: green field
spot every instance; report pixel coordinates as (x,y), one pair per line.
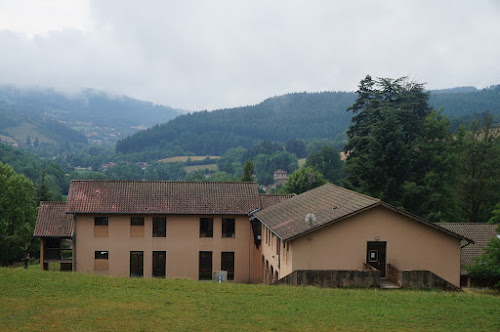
(33,300)
(183,159)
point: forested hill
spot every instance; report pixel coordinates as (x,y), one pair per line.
(291,116)
(89,111)
(297,115)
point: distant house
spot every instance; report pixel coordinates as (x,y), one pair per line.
(280,176)
(481,234)
(200,230)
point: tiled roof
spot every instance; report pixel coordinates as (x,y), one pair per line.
(269,200)
(160,197)
(328,203)
(52,220)
(481,233)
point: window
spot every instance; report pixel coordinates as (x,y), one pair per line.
(137,227)
(159,263)
(100,226)
(101,254)
(206,227)
(278,246)
(159,227)
(205,266)
(101,221)
(101,260)
(227,227)
(137,221)
(136,263)
(227,264)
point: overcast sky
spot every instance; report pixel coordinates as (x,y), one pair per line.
(213,54)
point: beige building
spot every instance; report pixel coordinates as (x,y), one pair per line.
(202,230)
(332,228)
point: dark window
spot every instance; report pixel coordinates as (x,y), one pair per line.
(205,266)
(227,227)
(137,221)
(159,263)
(101,255)
(206,227)
(101,221)
(159,227)
(227,264)
(136,263)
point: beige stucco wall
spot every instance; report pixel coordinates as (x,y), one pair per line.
(182,245)
(411,245)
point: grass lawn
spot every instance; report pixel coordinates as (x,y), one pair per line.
(51,301)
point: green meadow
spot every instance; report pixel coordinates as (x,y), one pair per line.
(31,300)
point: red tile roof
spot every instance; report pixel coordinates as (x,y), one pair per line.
(52,221)
(269,200)
(329,203)
(144,197)
(481,233)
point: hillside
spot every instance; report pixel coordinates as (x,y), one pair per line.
(100,117)
(297,115)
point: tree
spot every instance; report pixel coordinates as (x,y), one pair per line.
(266,165)
(296,146)
(388,120)
(303,180)
(479,172)
(431,191)
(327,162)
(165,172)
(487,266)
(231,161)
(42,191)
(17,215)
(247,171)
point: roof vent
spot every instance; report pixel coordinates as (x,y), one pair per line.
(310,218)
(335,208)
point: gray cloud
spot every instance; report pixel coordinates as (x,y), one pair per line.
(212,54)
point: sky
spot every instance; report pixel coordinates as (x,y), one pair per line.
(215,54)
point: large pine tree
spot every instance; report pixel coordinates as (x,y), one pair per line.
(389,116)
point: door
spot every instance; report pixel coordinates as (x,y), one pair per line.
(136,263)
(159,263)
(375,255)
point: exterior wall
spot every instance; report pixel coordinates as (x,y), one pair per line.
(281,263)
(182,244)
(271,259)
(410,245)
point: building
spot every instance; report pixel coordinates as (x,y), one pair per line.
(331,228)
(196,230)
(139,228)
(280,177)
(481,234)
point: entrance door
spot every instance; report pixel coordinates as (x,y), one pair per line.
(375,255)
